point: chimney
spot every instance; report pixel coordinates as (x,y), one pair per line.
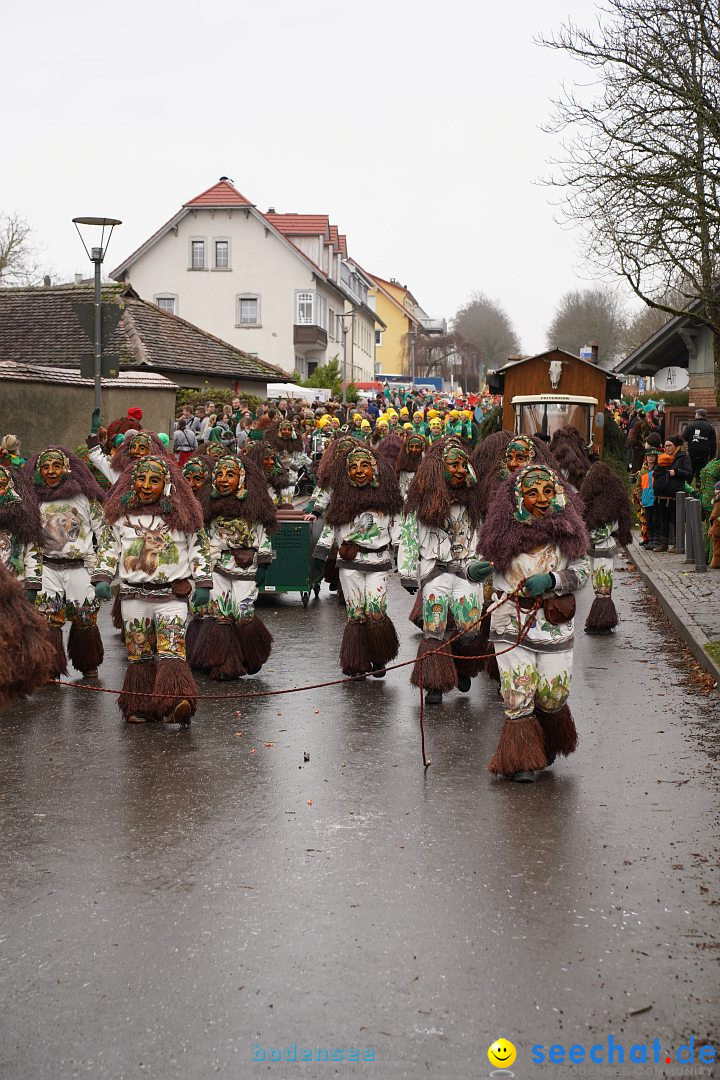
(47,281)
(78,279)
(594,351)
(272,210)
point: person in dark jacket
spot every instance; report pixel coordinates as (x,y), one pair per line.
(672,472)
(701,441)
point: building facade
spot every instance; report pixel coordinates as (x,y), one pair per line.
(276,286)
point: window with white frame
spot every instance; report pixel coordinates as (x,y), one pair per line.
(378,337)
(304,308)
(166,302)
(331,324)
(248,309)
(197,254)
(222,254)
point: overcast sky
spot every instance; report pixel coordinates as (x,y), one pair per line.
(415,126)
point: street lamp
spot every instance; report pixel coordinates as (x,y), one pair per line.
(351,315)
(96,256)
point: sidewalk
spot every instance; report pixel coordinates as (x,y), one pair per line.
(690,600)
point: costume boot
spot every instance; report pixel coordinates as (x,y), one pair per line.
(354,651)
(521,748)
(559,732)
(175,691)
(434,669)
(602,617)
(134,701)
(85,648)
(256,643)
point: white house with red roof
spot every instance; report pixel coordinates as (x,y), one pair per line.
(277,286)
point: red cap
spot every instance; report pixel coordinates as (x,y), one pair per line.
(136,414)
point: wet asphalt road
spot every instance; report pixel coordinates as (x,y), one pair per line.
(171,899)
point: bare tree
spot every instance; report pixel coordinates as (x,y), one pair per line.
(448,355)
(648,321)
(18,260)
(589,314)
(641,161)
(485,324)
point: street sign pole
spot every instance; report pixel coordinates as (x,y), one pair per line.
(96,256)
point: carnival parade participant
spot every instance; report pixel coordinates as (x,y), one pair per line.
(268,459)
(72,518)
(534,539)
(27,656)
(197,470)
(21,537)
(134,445)
(435,429)
(409,461)
(239,517)
(418,423)
(570,452)
(283,438)
(608,516)
(438,540)
(363,515)
(154,542)
(503,453)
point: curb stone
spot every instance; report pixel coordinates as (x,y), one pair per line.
(671,601)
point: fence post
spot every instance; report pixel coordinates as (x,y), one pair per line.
(680,522)
(698,545)
(689,555)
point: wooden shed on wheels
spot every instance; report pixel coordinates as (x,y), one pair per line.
(545,392)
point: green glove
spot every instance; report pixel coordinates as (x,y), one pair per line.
(479,569)
(103,591)
(261,574)
(201,598)
(96,422)
(538,584)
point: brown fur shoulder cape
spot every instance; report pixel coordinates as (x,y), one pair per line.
(80,481)
(185,515)
(503,537)
(571,454)
(390,448)
(346,501)
(21,517)
(429,496)
(255,453)
(606,500)
(256,508)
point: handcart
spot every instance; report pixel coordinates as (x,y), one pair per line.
(292,568)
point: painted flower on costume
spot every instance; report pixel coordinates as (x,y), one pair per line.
(525,479)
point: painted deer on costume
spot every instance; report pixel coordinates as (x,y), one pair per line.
(148,560)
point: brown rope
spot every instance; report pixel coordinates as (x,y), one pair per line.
(334,682)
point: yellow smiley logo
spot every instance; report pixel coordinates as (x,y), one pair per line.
(502,1053)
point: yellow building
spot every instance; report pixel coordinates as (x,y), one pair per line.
(396,306)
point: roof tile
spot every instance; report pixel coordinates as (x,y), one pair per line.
(38,326)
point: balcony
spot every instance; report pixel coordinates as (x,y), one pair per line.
(307,336)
